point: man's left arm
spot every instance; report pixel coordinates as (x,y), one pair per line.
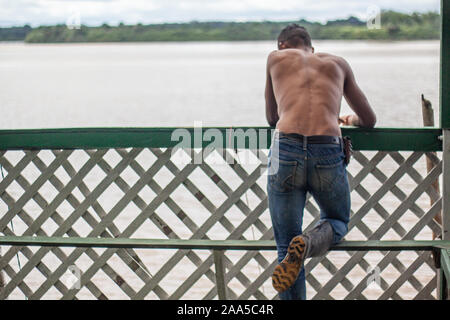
(271,103)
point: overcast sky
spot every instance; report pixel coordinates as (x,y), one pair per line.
(96,12)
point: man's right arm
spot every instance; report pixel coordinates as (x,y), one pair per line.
(365,116)
(271,103)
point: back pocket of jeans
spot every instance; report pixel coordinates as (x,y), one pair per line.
(281,175)
(331,174)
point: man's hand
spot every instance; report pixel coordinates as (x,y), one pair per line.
(349,120)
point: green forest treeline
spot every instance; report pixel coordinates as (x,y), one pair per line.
(394,26)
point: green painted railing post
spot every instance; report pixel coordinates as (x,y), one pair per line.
(444,274)
(445,125)
(445,65)
(442,278)
(446,185)
(445,112)
(220,274)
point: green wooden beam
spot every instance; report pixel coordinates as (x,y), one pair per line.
(220,274)
(444,274)
(445,65)
(445,264)
(385,139)
(414,245)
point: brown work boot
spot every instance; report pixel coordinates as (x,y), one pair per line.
(314,243)
(287,271)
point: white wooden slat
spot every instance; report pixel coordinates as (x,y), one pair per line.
(114,212)
(251,219)
(62,229)
(382,229)
(57,219)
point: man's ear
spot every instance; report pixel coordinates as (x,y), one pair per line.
(281,45)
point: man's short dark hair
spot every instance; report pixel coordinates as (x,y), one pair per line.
(295,35)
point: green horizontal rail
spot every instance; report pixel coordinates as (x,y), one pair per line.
(415,245)
(385,139)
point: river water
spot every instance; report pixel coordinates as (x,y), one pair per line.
(175,84)
(219,84)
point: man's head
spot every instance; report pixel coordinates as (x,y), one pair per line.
(294,36)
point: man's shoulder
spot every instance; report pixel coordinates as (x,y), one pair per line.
(275,57)
(340,61)
(276,54)
(280,55)
(283,53)
(330,56)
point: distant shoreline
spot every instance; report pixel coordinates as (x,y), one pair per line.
(393,26)
(209,41)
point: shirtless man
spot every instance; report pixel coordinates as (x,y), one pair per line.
(303,98)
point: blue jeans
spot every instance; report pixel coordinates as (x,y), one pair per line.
(294,170)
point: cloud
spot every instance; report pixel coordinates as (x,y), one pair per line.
(95,12)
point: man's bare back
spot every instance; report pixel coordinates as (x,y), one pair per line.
(304,92)
(303,95)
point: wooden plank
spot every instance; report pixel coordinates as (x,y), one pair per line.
(425,293)
(116,210)
(252,216)
(57,219)
(388,139)
(258,282)
(176,210)
(380,176)
(357,219)
(405,275)
(391,257)
(12,174)
(387,259)
(444,84)
(27,253)
(445,264)
(68,222)
(131,228)
(386,187)
(234,269)
(382,229)
(215,217)
(220,274)
(446,185)
(145,178)
(416,176)
(127,256)
(236,234)
(381,245)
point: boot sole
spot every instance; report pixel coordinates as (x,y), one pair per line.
(287,271)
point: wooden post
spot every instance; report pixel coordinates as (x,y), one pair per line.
(445,115)
(220,274)
(444,275)
(444,100)
(2,280)
(443,289)
(428,121)
(446,186)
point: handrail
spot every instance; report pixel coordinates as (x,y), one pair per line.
(379,139)
(381,245)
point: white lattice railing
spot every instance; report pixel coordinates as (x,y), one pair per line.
(151,193)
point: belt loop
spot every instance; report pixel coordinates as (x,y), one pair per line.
(305,142)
